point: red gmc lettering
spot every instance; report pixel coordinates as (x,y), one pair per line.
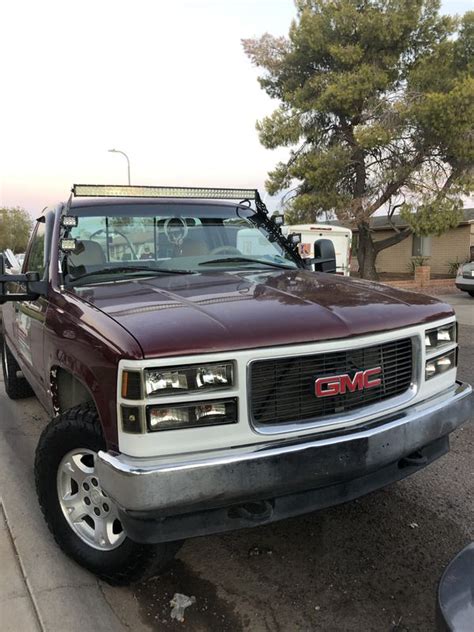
(340,384)
(368,383)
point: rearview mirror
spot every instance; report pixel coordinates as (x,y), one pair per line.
(34,286)
(324,256)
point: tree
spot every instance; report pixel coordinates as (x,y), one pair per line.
(15,228)
(377,109)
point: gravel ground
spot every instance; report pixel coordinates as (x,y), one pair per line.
(370,565)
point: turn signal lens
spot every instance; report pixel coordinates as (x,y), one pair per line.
(131,385)
(131,419)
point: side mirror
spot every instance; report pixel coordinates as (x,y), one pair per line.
(324,256)
(35,287)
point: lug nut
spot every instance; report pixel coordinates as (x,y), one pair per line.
(97,511)
(94,482)
(105,507)
(86,486)
(87,500)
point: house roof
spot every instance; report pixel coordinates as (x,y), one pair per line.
(380,222)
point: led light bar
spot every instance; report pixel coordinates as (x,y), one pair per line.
(69,221)
(68,245)
(105,190)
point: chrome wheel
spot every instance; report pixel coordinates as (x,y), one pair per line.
(88,510)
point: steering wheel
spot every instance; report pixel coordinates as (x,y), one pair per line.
(176,230)
(226,250)
(118,232)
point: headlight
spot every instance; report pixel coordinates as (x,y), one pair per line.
(178,416)
(186,379)
(440,337)
(441,364)
(162,381)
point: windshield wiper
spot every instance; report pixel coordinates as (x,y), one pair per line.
(113,269)
(246,260)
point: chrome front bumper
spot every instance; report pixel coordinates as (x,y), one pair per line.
(196,482)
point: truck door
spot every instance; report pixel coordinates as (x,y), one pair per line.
(30,317)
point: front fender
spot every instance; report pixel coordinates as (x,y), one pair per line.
(88,344)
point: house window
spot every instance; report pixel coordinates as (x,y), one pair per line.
(421,246)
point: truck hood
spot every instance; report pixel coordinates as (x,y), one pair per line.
(210,312)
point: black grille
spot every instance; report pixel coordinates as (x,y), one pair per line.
(283,389)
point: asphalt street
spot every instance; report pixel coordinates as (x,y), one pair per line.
(369,565)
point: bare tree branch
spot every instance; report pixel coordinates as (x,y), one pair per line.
(395,185)
(392,240)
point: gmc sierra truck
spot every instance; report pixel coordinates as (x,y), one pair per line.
(202,377)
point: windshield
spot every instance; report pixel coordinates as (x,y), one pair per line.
(126,239)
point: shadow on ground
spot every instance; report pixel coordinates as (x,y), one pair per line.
(369,565)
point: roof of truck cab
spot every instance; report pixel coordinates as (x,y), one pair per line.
(113,201)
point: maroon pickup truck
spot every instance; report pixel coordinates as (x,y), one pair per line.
(202,377)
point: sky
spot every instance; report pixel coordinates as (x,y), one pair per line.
(166,81)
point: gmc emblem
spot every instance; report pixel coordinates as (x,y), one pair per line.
(340,384)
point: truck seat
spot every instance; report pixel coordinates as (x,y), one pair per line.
(91,255)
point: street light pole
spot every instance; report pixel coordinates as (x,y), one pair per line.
(118,151)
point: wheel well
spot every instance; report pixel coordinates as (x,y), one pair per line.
(67,391)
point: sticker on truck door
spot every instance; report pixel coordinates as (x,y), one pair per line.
(23,332)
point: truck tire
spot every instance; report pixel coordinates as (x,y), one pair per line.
(81,517)
(15,387)
(471,293)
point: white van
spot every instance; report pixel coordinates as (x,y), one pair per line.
(340,236)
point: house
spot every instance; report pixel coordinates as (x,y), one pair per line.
(455,245)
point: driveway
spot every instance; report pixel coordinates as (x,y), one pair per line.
(370,565)
(464,306)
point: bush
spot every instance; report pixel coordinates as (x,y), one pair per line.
(416,262)
(454,265)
